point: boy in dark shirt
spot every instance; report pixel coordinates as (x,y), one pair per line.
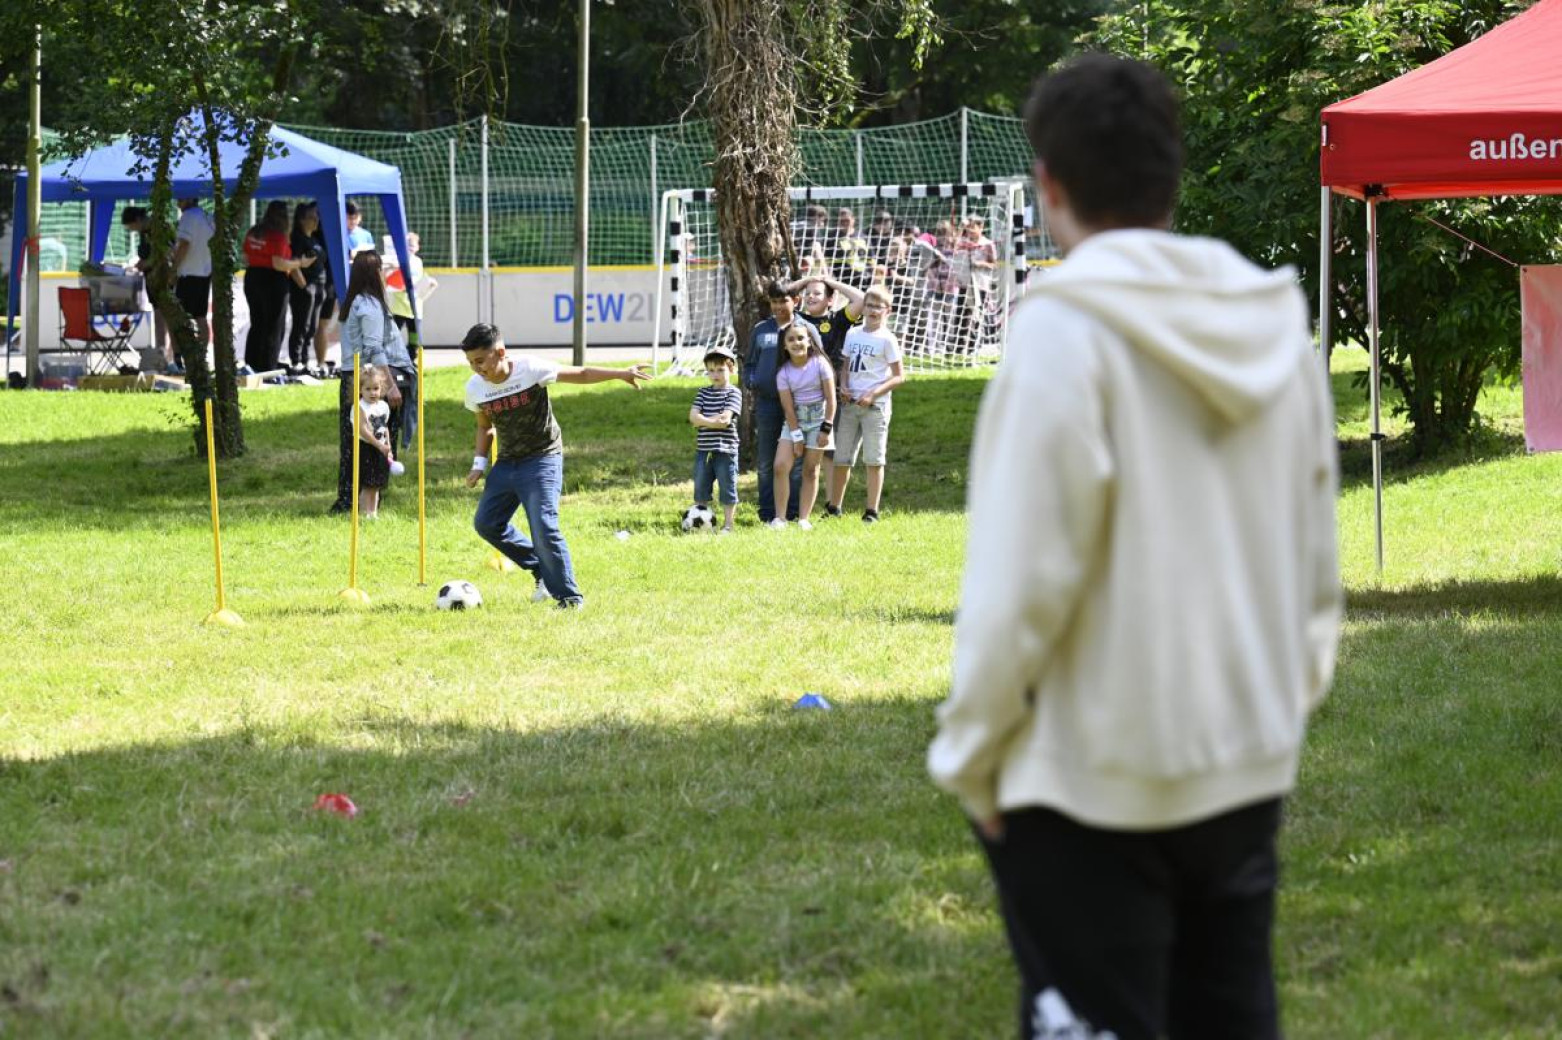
(510,397)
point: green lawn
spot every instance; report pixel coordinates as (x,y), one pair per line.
(610,824)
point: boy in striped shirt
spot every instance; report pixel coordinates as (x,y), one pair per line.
(715,420)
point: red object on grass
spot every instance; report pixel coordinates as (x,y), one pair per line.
(337,803)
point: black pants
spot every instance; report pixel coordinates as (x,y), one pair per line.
(307,301)
(1141,935)
(266,293)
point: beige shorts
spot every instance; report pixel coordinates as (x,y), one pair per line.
(862,428)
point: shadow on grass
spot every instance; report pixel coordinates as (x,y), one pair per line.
(781,874)
(1401,464)
(615,440)
(1541,595)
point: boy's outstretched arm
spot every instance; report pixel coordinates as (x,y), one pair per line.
(581,374)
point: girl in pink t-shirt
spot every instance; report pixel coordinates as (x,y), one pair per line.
(806,387)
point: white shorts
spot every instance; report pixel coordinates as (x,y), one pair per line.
(862,428)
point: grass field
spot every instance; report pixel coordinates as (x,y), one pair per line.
(610,824)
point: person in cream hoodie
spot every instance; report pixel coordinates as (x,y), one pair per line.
(1151,600)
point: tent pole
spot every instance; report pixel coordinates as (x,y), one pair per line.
(1326,278)
(34,208)
(1377,376)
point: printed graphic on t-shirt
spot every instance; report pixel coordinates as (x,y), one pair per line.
(519,409)
(868,357)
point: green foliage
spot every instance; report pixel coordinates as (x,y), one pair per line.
(1254,75)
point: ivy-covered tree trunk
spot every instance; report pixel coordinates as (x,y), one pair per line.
(227,214)
(752,105)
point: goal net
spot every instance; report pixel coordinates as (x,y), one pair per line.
(951,255)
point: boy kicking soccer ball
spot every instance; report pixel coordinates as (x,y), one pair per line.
(510,397)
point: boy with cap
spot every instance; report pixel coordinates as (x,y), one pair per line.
(714,417)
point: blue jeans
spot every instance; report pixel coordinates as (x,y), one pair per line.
(720,469)
(534,485)
(768,420)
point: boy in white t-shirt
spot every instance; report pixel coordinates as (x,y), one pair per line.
(870,370)
(510,397)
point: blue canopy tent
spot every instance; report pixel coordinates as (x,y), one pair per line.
(304,169)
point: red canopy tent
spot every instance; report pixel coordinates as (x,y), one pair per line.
(1485,119)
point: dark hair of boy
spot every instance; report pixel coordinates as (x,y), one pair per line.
(1108,131)
(352,209)
(776,291)
(132,215)
(481,336)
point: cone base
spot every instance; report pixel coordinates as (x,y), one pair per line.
(224,618)
(356,597)
(502,564)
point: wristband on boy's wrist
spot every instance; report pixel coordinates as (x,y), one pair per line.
(480,463)
(826,426)
(796,435)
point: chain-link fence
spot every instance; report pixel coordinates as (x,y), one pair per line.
(494,194)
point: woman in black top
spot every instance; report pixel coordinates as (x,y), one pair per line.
(307,298)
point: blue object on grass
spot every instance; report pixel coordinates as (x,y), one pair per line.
(813,700)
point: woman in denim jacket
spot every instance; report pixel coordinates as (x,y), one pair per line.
(369,337)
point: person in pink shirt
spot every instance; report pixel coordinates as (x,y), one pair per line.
(806,387)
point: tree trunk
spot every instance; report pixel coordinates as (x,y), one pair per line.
(226,215)
(753,111)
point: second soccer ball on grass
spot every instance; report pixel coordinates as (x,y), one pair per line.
(698,518)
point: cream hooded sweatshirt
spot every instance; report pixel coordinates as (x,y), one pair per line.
(1151,599)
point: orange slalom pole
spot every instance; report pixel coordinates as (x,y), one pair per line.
(222,615)
(352,593)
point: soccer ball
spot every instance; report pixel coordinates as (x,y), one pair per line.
(698,518)
(458,595)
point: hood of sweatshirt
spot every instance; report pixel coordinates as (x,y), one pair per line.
(1221,324)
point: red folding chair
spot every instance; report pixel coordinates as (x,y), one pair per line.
(106,350)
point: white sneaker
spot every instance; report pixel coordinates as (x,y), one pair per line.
(724,530)
(777,524)
(803,524)
(540,593)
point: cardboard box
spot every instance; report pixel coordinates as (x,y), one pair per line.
(117,383)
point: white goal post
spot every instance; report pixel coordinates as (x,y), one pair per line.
(952,256)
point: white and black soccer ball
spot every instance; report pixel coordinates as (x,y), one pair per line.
(698,518)
(458,595)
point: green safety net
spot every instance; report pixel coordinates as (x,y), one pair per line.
(531,177)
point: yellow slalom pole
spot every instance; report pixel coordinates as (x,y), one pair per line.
(222,615)
(498,561)
(422,514)
(352,593)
